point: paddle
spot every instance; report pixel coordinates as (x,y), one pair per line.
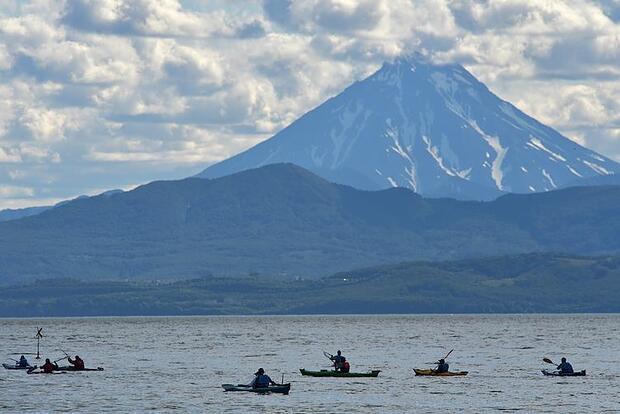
(548,361)
(330,357)
(12,359)
(60,359)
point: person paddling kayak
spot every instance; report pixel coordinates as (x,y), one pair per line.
(22,363)
(49,366)
(565,367)
(261,380)
(442,366)
(339,361)
(77,363)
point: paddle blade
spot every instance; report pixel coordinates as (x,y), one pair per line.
(548,361)
(448,354)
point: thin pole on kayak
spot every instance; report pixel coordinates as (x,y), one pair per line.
(282,379)
(39,335)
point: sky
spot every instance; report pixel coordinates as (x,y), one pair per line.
(106,94)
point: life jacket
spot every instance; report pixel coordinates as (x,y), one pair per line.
(346,367)
(262,381)
(77,363)
(48,367)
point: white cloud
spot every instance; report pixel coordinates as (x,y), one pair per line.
(45,125)
(9,191)
(9,156)
(129,91)
(138,17)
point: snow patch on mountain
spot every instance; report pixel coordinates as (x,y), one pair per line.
(500,153)
(435,154)
(572,170)
(549,178)
(537,144)
(600,170)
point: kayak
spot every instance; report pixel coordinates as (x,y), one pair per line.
(326,373)
(279,389)
(72,368)
(431,373)
(560,374)
(12,366)
(40,371)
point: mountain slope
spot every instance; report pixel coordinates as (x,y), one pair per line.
(15,214)
(432,128)
(281,219)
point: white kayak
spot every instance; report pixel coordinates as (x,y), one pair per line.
(279,389)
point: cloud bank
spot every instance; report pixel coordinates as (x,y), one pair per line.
(98,94)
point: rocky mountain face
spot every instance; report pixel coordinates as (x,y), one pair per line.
(431,128)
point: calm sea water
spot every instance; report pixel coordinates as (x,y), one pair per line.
(178,364)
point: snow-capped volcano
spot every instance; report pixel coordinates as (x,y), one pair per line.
(432,128)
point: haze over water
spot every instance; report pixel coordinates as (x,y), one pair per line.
(178,364)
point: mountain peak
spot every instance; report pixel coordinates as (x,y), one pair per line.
(413,59)
(430,127)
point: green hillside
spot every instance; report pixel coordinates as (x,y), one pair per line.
(283,220)
(520,283)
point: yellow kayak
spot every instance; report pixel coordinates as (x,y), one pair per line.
(431,373)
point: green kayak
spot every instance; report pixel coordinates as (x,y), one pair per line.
(330,373)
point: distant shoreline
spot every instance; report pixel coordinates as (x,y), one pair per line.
(309,315)
(537,283)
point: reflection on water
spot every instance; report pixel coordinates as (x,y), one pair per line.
(177,364)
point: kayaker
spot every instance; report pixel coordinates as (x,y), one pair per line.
(23,362)
(565,367)
(338,360)
(261,380)
(77,363)
(442,366)
(49,366)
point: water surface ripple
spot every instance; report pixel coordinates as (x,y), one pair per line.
(177,364)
